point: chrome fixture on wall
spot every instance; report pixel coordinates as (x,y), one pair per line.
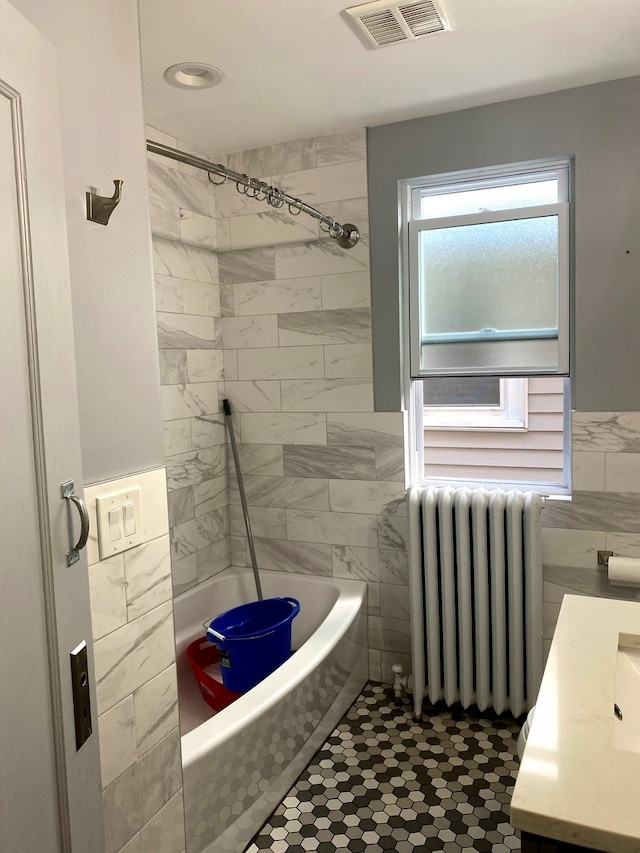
(100,207)
(346,236)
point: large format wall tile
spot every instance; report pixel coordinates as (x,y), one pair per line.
(201,298)
(253,332)
(247,265)
(180,261)
(266,522)
(187,469)
(380,429)
(186,331)
(177,436)
(156,709)
(341,147)
(108,599)
(173,366)
(622,472)
(284,492)
(132,655)
(118,749)
(285,363)
(341,326)
(169,294)
(147,571)
(369,564)
(346,290)
(287,428)
(261,459)
(278,297)
(363,496)
(613,432)
(164,833)
(170,186)
(204,366)
(210,494)
(282,157)
(334,528)
(345,360)
(326,183)
(327,395)
(610,511)
(199,533)
(270,227)
(186,401)
(351,463)
(287,556)
(139,793)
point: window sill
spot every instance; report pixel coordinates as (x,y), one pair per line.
(548,491)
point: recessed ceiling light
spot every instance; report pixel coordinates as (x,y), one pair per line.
(193,75)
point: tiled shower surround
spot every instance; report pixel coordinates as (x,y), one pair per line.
(286,335)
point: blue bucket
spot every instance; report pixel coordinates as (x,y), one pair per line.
(253,640)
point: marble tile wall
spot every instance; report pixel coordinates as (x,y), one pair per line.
(603,515)
(132,617)
(183,224)
(323,472)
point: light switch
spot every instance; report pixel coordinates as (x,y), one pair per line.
(114,524)
(129,519)
(119,521)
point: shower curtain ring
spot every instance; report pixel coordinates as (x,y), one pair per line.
(219,183)
(243,189)
(293,210)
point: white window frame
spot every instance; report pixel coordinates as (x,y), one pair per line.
(511,414)
(408,198)
(440,184)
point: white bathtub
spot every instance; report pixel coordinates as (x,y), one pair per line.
(239,763)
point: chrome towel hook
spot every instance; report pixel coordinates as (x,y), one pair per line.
(100,207)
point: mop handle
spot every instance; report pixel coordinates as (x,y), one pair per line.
(243,498)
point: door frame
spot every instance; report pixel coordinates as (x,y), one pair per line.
(41,217)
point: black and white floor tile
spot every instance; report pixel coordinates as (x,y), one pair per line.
(382,782)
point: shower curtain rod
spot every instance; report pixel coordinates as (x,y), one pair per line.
(346,236)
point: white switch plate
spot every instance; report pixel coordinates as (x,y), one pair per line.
(116,500)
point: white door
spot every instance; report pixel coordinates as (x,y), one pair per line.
(50,792)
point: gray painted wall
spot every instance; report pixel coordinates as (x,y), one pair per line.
(111,273)
(597,125)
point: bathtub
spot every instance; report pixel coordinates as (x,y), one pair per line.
(239,763)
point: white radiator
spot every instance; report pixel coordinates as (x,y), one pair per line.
(476,597)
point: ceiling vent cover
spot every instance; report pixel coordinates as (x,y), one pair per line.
(384,23)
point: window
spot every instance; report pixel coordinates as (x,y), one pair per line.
(489,273)
(487,269)
(478,402)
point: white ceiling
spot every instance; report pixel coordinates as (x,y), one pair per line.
(296,68)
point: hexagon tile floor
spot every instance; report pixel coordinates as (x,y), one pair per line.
(382,782)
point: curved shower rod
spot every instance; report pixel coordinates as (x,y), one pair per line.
(346,236)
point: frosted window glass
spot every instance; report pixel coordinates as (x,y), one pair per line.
(489,198)
(493,276)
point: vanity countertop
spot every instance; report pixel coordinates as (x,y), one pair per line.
(573,784)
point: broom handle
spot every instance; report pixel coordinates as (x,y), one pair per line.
(243,498)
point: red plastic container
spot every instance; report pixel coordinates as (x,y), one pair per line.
(203,654)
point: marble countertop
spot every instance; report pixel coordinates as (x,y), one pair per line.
(573,785)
